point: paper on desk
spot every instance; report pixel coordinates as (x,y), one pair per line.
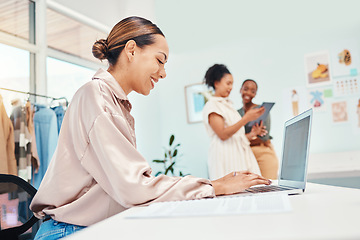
(250,204)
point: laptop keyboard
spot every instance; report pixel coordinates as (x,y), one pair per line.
(269,188)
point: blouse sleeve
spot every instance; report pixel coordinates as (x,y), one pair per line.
(212,107)
(125,175)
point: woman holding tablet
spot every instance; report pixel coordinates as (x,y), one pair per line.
(260,145)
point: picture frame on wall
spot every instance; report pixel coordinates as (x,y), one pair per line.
(196,95)
(318,69)
(345,59)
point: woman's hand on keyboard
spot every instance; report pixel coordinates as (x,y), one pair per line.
(236,182)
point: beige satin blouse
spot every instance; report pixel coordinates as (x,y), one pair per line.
(96,170)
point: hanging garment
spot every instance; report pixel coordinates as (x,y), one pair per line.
(23,148)
(46,133)
(7,146)
(22,139)
(34,158)
(59,111)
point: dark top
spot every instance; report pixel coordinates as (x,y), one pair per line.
(265,123)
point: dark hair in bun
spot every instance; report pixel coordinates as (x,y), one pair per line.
(100,49)
(138,29)
(215,74)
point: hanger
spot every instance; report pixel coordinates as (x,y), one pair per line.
(38,95)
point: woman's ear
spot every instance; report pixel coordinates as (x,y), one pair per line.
(129,49)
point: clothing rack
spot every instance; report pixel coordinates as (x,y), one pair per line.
(37,95)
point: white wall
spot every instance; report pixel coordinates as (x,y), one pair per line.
(110,12)
(264,40)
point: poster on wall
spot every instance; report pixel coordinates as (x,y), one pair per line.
(294,101)
(346,86)
(317,98)
(196,95)
(345,58)
(317,69)
(354,114)
(339,112)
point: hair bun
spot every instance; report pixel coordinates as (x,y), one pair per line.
(100,49)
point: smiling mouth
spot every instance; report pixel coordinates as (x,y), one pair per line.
(152,82)
(247,98)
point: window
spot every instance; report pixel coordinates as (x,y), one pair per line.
(68,41)
(70,36)
(15,75)
(15,17)
(64,78)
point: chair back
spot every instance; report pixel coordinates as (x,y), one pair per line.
(17,220)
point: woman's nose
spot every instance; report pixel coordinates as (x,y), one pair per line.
(162,73)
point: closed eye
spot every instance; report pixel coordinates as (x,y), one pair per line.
(160,62)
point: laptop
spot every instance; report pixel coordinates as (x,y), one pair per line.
(295,155)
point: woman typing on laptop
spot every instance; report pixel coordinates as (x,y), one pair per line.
(96,171)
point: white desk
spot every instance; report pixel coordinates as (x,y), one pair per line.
(322,212)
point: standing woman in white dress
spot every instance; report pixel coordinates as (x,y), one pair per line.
(229,147)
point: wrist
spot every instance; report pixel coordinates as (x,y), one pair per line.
(245,118)
(252,136)
(218,187)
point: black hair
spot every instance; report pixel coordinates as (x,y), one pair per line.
(215,73)
(249,80)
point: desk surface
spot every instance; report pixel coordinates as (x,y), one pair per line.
(322,212)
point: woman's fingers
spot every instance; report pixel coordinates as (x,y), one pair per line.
(263,132)
(237,181)
(258,178)
(255,176)
(261,110)
(260,181)
(247,175)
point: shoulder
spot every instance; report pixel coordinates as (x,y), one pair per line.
(90,88)
(241,111)
(94,92)
(214,105)
(89,101)
(215,101)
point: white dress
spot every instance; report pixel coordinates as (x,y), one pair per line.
(233,154)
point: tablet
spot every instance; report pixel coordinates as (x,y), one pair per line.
(268,106)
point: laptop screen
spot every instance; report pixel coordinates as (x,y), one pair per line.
(295,150)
